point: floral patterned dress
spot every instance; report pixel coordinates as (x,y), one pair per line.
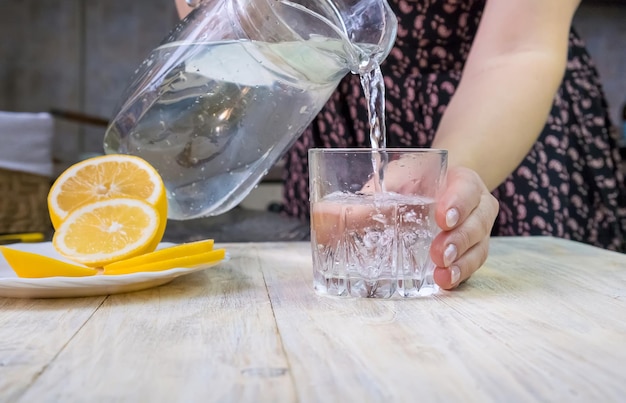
(569,184)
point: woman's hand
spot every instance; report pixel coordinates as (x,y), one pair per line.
(465,212)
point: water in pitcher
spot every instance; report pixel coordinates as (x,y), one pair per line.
(221,112)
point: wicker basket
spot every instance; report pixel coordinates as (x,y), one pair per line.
(23,202)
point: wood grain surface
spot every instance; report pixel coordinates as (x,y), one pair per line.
(543,320)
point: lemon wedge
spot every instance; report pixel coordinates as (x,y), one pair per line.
(190,255)
(170,252)
(190,261)
(32,265)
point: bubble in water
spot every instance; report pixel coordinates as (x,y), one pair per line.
(380,217)
(410,216)
(409,238)
(225,114)
(371,239)
(193,3)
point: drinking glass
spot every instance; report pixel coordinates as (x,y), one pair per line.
(373,220)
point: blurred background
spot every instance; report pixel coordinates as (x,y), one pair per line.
(75,57)
(78,55)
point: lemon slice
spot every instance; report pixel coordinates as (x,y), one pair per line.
(32,265)
(190,261)
(105,231)
(171,252)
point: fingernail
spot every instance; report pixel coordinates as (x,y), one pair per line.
(455,274)
(452,217)
(449,255)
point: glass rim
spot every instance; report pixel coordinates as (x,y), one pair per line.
(360,150)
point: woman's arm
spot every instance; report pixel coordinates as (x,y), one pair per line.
(513,71)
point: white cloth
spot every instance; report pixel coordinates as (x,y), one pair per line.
(26,142)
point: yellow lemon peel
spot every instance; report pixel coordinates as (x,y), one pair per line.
(190,261)
(170,252)
(33,265)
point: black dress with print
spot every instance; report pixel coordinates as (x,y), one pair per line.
(569,185)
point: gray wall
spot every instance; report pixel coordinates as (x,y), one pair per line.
(75,55)
(78,55)
(604,30)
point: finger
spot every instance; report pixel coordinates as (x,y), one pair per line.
(330,220)
(460,197)
(450,245)
(326,223)
(463,268)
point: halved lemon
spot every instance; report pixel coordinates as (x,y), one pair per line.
(33,265)
(107,177)
(102,232)
(190,261)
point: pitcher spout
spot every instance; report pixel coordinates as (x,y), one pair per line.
(371,28)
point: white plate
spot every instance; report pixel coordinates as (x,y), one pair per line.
(62,287)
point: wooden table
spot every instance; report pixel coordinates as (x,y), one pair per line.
(544,320)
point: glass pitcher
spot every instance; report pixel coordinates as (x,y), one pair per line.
(233,86)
